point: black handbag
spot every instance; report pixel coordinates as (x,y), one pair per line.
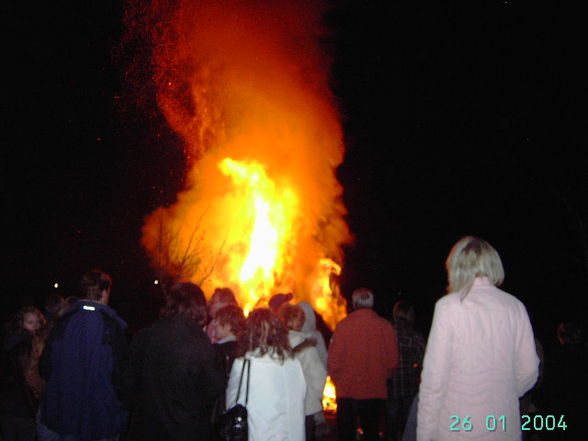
(233,423)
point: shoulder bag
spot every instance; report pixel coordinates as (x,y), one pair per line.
(233,424)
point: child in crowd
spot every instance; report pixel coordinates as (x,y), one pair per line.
(220,298)
(228,325)
(20,382)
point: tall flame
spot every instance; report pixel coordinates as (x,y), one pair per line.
(245,83)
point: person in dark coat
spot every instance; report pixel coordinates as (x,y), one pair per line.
(403,385)
(229,323)
(83,363)
(173,376)
(562,392)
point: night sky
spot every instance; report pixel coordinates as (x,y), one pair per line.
(461,119)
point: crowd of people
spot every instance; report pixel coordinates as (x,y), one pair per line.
(71,373)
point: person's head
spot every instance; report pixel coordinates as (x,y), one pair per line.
(403,311)
(277,300)
(67,303)
(53,304)
(185,300)
(96,285)
(469,258)
(292,316)
(362,298)
(569,333)
(28,320)
(229,321)
(220,298)
(265,334)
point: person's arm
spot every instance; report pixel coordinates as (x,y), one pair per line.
(231,393)
(315,373)
(435,375)
(336,356)
(213,375)
(527,361)
(45,360)
(391,348)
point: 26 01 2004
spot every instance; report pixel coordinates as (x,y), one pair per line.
(499,422)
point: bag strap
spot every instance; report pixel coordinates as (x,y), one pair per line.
(246,363)
(248,372)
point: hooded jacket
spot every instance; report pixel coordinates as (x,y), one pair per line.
(310,330)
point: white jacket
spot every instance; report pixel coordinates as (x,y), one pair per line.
(309,329)
(275,409)
(314,372)
(480,359)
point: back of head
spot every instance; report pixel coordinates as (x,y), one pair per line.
(362,298)
(231,315)
(185,300)
(569,333)
(53,304)
(469,258)
(403,311)
(265,334)
(93,285)
(223,295)
(292,316)
(220,298)
(277,300)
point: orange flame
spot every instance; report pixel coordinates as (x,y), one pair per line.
(329,397)
(246,85)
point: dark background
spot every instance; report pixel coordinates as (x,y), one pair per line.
(466,118)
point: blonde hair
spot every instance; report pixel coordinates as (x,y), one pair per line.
(469,258)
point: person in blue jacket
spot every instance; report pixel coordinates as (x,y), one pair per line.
(83,364)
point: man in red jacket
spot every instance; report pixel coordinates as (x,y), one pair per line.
(363,353)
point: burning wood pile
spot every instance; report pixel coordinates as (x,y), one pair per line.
(245,84)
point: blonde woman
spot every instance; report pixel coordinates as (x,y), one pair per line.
(480,356)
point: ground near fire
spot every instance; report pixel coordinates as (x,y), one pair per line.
(429,122)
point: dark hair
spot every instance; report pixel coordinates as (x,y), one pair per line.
(292,316)
(265,334)
(403,311)
(67,303)
(278,300)
(570,333)
(53,303)
(186,300)
(93,283)
(223,295)
(233,316)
